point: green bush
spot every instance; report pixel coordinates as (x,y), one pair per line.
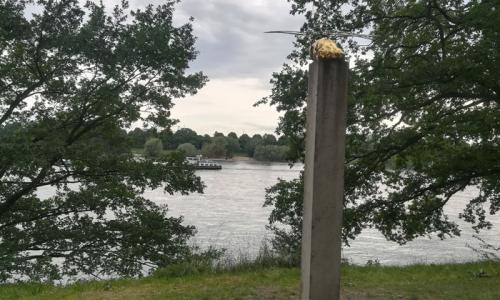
(271,153)
(285,220)
(153,148)
(215,149)
(188,149)
(196,263)
(232,146)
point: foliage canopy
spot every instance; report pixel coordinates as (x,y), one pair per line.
(424,95)
(72,78)
(188,149)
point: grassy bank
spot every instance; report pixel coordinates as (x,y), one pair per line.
(453,281)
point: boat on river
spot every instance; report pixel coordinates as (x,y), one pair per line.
(203,164)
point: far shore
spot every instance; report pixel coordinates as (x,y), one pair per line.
(235,158)
(244,159)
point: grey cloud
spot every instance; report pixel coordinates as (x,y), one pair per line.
(256,127)
(238,58)
(230,33)
(231,37)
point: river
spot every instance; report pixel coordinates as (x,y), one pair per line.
(230,215)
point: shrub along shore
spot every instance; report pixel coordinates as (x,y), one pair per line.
(263,280)
(265,147)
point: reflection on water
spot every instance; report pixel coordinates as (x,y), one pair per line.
(230,215)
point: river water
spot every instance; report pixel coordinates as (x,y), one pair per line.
(230,215)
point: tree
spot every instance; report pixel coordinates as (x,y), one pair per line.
(427,99)
(215,149)
(243,140)
(205,139)
(188,149)
(269,139)
(166,138)
(283,140)
(232,135)
(153,148)
(255,141)
(232,146)
(186,135)
(270,153)
(218,134)
(71,79)
(138,137)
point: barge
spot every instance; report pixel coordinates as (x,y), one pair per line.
(203,164)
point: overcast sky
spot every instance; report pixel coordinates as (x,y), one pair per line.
(238,58)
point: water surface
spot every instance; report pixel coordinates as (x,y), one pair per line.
(230,215)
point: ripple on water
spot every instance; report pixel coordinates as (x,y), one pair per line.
(230,215)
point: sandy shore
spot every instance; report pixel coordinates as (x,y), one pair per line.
(234,158)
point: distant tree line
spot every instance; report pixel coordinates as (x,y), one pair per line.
(265,147)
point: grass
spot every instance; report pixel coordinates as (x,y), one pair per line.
(452,281)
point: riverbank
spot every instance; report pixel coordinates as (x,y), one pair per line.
(235,158)
(451,281)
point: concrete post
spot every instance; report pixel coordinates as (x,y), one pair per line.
(324,179)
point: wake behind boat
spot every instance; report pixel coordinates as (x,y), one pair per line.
(202,164)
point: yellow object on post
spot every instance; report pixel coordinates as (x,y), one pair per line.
(326,49)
